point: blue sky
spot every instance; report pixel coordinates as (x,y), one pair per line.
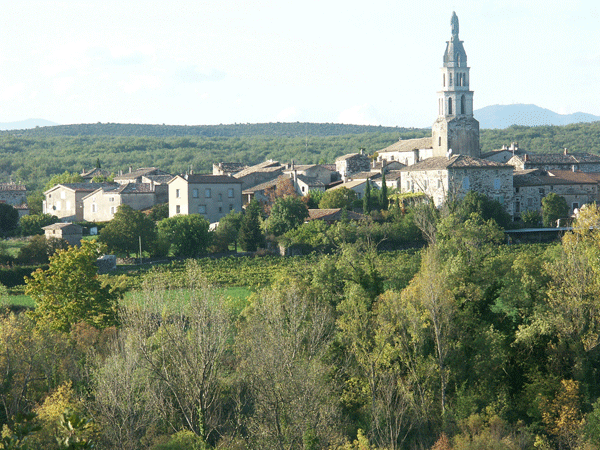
(210,62)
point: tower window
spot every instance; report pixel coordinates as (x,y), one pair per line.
(449,79)
(462,105)
(439,141)
(450,106)
(444,80)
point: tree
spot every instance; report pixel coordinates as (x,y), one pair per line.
(384,192)
(287,213)
(553,207)
(487,208)
(250,235)
(63,178)
(227,232)
(159,212)
(367,200)
(33,223)
(9,218)
(70,290)
(313,198)
(39,249)
(123,233)
(338,198)
(188,234)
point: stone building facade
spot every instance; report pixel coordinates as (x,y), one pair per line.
(351,163)
(441,178)
(65,201)
(584,162)
(211,196)
(13,194)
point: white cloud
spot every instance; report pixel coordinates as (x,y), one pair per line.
(358,115)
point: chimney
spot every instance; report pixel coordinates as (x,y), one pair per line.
(129,169)
(525,157)
(566,151)
(574,168)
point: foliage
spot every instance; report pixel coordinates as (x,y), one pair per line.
(338,198)
(69,291)
(227,232)
(38,250)
(531,218)
(33,223)
(475,202)
(9,219)
(63,178)
(123,233)
(188,234)
(250,235)
(313,198)
(367,200)
(287,213)
(554,207)
(159,212)
(384,192)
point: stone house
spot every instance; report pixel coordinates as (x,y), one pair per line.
(14,194)
(504,154)
(323,174)
(583,162)
(407,151)
(212,196)
(144,175)
(102,204)
(64,230)
(228,169)
(357,186)
(65,201)
(259,173)
(532,185)
(441,177)
(351,163)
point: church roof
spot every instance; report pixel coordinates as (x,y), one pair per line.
(456,161)
(408,145)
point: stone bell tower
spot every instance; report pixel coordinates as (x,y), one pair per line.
(455,127)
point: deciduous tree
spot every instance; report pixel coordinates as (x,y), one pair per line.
(123,233)
(187,234)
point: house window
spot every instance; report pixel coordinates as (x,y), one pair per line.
(517,207)
(177,193)
(68,205)
(201,209)
(497,183)
(230,193)
(111,199)
(112,209)
(466,184)
(439,184)
(575,206)
(177,209)
(207,193)
(220,209)
(93,207)
(58,205)
(542,191)
(195,193)
(231,207)
(63,195)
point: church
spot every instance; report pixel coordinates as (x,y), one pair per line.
(449,163)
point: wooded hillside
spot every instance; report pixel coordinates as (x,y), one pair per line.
(33,156)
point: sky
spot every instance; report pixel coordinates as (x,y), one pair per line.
(198,62)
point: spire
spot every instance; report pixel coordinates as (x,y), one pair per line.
(455,55)
(454,25)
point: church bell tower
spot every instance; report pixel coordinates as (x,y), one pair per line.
(455,127)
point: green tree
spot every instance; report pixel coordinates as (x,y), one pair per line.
(338,198)
(159,212)
(33,223)
(9,218)
(367,200)
(287,213)
(250,235)
(188,234)
(39,249)
(123,233)
(63,178)
(70,290)
(313,198)
(384,192)
(553,207)
(487,208)
(227,232)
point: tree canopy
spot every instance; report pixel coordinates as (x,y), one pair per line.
(123,233)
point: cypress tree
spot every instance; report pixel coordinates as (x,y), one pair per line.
(384,195)
(367,198)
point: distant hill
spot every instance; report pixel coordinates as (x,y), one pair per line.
(296,129)
(503,116)
(26,124)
